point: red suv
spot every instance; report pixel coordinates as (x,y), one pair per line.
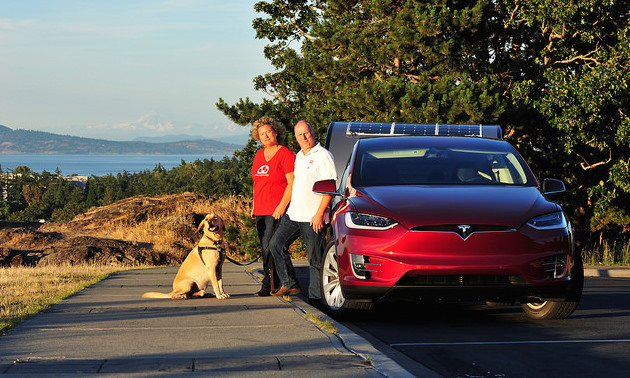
(443,212)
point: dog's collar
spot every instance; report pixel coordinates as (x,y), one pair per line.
(204,247)
(217,246)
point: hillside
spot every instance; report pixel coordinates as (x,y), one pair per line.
(140,230)
(38,142)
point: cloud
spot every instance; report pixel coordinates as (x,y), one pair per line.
(154,124)
(7,24)
(109,31)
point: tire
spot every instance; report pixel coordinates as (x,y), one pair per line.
(546,310)
(332,295)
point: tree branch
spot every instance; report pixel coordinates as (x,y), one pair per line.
(579,57)
(512,16)
(586,165)
(302,32)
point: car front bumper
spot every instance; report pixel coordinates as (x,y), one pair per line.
(494,266)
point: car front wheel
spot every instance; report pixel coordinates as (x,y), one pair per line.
(545,310)
(332,295)
(549,309)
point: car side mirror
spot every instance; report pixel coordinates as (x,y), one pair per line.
(326,187)
(553,187)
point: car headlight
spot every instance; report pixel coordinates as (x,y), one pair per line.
(368,222)
(550,221)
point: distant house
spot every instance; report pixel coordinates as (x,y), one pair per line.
(80,181)
(76,180)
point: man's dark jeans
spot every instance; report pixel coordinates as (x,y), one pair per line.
(286,233)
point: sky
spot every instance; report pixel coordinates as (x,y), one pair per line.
(121,69)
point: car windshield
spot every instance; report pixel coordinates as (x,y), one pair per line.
(428,165)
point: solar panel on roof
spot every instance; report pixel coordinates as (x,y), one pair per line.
(414,129)
(460,130)
(382,129)
(368,128)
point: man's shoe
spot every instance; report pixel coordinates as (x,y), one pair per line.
(295,290)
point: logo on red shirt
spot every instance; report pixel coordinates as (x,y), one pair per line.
(263,170)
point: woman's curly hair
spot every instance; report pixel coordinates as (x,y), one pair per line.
(277,127)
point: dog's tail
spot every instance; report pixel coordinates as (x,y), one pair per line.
(153,294)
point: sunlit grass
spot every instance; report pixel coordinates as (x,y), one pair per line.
(322,324)
(26,291)
(608,253)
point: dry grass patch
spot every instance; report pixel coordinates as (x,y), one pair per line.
(26,291)
(167,220)
(322,324)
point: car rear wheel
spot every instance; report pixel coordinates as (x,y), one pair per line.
(332,295)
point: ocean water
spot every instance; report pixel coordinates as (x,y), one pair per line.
(96,165)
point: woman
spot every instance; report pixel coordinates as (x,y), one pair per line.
(272,172)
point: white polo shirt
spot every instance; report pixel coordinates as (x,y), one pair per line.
(316,165)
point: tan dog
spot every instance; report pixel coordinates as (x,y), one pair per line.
(203,264)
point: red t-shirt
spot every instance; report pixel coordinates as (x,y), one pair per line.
(270,179)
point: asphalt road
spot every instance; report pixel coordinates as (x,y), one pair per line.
(472,340)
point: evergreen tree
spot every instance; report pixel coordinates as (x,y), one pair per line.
(553,74)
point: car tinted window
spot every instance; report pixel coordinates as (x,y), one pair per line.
(426,165)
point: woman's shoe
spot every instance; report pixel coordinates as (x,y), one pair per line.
(263,293)
(265,289)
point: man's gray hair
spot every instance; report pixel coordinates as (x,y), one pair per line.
(310,128)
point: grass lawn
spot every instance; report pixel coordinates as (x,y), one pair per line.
(26,291)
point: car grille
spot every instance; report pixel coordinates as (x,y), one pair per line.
(455,228)
(461,280)
(463,230)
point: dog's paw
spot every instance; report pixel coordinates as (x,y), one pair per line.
(223,296)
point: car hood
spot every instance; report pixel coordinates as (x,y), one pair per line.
(414,206)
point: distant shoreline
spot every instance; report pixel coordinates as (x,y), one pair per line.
(38,142)
(99,164)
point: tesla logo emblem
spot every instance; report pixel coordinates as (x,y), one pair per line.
(464,231)
(263,170)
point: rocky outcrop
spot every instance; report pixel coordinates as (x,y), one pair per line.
(107,234)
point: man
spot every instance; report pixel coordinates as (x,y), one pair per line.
(305,215)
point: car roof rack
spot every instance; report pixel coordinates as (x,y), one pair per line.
(341,136)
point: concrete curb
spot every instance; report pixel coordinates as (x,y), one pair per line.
(607,271)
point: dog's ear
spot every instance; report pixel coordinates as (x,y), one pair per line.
(200,225)
(204,220)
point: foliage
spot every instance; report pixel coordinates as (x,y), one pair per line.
(553,74)
(245,237)
(31,196)
(582,93)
